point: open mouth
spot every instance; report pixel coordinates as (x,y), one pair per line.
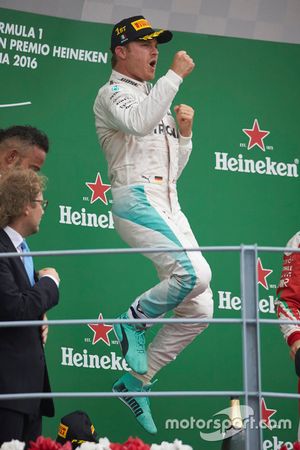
(153,63)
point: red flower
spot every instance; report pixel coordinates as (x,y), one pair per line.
(130,444)
(43,443)
(135,444)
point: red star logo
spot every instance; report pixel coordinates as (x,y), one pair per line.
(99,189)
(262,274)
(256,136)
(266,414)
(101,331)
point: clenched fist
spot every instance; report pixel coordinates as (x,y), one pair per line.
(184,117)
(182,64)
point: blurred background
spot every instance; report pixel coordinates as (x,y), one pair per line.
(271,20)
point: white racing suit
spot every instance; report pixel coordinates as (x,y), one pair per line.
(146,155)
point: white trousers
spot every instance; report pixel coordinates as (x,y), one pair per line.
(145,216)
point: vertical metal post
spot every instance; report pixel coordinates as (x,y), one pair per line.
(251,344)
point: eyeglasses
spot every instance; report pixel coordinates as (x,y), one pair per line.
(44,203)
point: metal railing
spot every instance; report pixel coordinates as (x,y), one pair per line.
(250,322)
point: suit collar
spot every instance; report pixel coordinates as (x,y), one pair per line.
(7,245)
(119,77)
(14,236)
(6,241)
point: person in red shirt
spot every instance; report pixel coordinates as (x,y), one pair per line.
(288,292)
(288,303)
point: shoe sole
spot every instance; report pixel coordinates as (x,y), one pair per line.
(131,403)
(136,409)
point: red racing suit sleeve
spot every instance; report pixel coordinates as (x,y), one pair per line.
(289,285)
(288,290)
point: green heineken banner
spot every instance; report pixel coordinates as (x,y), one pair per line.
(240,186)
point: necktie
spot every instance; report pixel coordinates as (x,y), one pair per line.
(28,262)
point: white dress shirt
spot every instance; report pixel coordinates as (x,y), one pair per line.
(17,240)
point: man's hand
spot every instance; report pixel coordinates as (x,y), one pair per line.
(184,117)
(44,331)
(182,64)
(49,271)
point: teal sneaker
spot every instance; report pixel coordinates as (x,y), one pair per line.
(132,341)
(140,406)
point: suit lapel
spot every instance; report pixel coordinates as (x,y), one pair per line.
(6,242)
(7,246)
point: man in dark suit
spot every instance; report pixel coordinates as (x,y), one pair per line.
(24,295)
(25,147)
